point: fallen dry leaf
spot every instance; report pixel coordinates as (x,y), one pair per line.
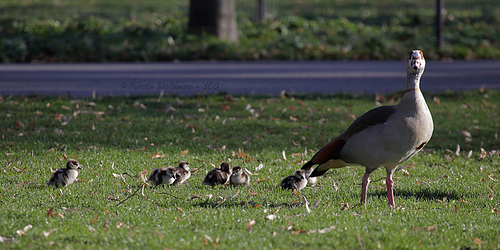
(24,230)
(251,193)
(250,224)
(50,212)
(259,167)
(235,195)
(259,181)
(95,219)
(321,231)
(249,173)
(326,230)
(437,101)
(483,154)
(469,154)
(106,224)
(490,176)
(28,227)
(477,241)
(300,231)
(444,199)
(405,172)
(184,152)
(429,229)
(158,155)
(494,210)
(142,175)
(139,104)
(316,203)
(271,217)
(244,156)
(66,121)
(19,124)
(59,132)
(306,204)
(6,240)
(467,134)
(120,225)
(47,233)
(408,165)
(345,206)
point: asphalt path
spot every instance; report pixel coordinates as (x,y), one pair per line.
(189,78)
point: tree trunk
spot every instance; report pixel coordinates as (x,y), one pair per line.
(217,17)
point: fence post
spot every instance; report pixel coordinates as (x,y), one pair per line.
(439,23)
(261,10)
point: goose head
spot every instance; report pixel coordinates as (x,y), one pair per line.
(237,170)
(416,62)
(73,164)
(225,167)
(300,174)
(184,165)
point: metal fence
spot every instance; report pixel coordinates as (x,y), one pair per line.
(479,9)
(435,13)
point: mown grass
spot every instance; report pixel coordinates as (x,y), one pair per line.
(446,200)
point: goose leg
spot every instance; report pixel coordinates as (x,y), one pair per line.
(390,187)
(364,187)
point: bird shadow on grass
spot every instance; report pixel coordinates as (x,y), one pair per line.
(424,194)
(34,186)
(248,204)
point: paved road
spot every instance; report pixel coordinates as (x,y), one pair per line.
(189,78)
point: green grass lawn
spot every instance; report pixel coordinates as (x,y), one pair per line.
(448,199)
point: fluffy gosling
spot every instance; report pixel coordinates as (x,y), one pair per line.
(239,177)
(218,176)
(297,181)
(65,176)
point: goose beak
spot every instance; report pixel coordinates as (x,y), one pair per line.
(416,60)
(415,63)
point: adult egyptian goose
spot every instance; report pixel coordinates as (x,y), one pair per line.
(239,177)
(297,181)
(65,176)
(218,176)
(183,173)
(385,136)
(162,176)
